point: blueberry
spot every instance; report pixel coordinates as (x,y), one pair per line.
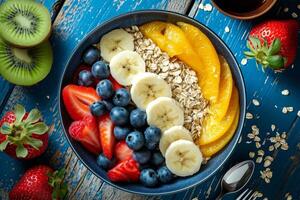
(121,97)
(104,162)
(138,118)
(142,156)
(164,174)
(98,108)
(105,89)
(108,105)
(135,140)
(152,137)
(85,78)
(149,177)
(119,116)
(144,166)
(100,70)
(91,55)
(121,132)
(157,159)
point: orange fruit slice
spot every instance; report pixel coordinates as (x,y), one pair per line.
(214,147)
(220,107)
(209,72)
(212,128)
(172,40)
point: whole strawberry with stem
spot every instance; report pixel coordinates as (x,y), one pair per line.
(23,135)
(273,43)
(40,183)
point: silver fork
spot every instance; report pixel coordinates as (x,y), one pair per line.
(247,193)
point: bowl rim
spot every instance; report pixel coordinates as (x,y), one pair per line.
(242,93)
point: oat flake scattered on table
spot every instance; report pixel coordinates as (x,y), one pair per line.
(183,80)
(244,61)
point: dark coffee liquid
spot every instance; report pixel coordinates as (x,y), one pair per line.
(239,6)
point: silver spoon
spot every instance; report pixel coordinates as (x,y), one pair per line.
(236,177)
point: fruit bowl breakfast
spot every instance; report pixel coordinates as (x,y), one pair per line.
(152,102)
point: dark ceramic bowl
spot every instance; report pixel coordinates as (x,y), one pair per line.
(138,18)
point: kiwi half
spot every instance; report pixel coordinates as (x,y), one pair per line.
(25,66)
(24,23)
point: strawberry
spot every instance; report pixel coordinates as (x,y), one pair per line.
(39,183)
(23,135)
(125,171)
(77,100)
(122,151)
(107,137)
(273,43)
(86,132)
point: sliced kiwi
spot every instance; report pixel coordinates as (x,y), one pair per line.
(25,66)
(24,23)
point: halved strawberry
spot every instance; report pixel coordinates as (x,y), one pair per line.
(122,151)
(77,100)
(86,132)
(107,137)
(125,171)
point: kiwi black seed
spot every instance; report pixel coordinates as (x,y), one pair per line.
(25,66)
(24,23)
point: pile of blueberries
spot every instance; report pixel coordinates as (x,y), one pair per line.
(130,122)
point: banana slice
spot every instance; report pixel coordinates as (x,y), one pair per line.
(164,113)
(183,158)
(125,66)
(148,86)
(171,135)
(114,42)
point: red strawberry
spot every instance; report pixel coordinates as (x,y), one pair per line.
(273,43)
(107,137)
(86,132)
(125,171)
(39,183)
(23,135)
(122,151)
(77,100)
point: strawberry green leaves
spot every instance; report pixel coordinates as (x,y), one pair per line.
(23,131)
(60,189)
(264,54)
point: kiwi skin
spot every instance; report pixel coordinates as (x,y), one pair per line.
(25,67)
(24,23)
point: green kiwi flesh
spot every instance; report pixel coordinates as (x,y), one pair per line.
(25,66)
(24,23)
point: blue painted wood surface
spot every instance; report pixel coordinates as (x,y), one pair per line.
(77,18)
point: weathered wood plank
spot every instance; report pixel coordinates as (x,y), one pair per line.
(75,20)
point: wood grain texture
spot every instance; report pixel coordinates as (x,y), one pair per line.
(73,22)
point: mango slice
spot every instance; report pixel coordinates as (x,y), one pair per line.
(171,39)
(220,107)
(214,129)
(214,147)
(209,72)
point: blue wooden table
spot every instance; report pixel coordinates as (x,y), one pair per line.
(73,19)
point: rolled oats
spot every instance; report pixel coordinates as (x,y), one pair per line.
(182,79)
